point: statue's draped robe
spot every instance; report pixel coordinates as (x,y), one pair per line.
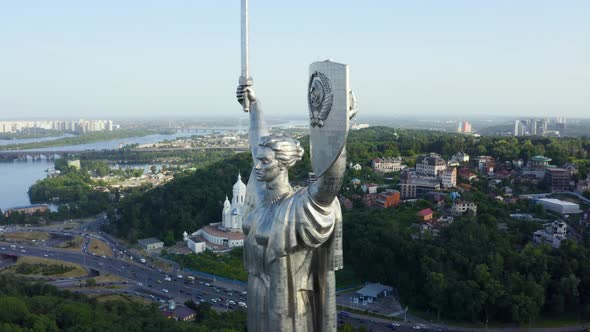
(292,248)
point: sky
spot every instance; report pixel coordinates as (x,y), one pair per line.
(181,58)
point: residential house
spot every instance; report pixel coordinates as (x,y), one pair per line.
(459,207)
(583,185)
(387,165)
(466,174)
(461,157)
(552,234)
(179,313)
(432,165)
(557,179)
(387,199)
(424,215)
(369,188)
(151,243)
(449,178)
(571,168)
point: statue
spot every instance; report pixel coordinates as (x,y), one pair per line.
(293,239)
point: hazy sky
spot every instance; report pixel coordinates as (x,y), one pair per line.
(115,58)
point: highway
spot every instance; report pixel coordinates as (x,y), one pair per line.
(150,283)
(143,280)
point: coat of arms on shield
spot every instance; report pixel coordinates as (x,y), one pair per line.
(329,101)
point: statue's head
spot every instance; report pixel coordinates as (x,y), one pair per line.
(276,154)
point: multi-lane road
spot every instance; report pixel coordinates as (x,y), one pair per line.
(151,283)
(142,280)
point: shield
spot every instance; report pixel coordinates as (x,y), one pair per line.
(329,103)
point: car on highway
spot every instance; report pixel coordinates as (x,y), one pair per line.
(395,324)
(179,276)
(164,290)
(167,278)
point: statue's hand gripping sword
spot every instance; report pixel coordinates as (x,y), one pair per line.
(245,79)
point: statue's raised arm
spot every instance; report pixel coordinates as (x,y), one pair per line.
(256,129)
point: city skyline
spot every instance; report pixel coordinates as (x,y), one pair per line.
(182,59)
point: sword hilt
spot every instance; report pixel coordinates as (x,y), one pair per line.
(245,82)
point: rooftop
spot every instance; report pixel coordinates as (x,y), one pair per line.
(373,290)
(541,158)
(149,240)
(558,201)
(556,170)
(182,312)
(215,231)
(424,212)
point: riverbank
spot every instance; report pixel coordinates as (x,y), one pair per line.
(84,139)
(30,134)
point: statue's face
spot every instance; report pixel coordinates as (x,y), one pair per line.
(267,168)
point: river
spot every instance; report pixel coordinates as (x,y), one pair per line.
(17,176)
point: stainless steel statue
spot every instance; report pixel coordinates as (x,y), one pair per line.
(293,243)
(293,238)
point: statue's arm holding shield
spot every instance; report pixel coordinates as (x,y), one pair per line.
(331,105)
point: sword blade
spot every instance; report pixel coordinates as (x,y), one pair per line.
(245,42)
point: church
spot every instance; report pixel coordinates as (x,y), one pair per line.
(227,234)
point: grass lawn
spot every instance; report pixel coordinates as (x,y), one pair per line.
(25,236)
(107,277)
(119,297)
(74,244)
(229,265)
(77,271)
(99,247)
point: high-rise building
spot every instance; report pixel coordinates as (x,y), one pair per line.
(466,127)
(516,130)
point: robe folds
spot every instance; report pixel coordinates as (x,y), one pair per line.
(292,249)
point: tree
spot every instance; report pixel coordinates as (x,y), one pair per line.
(436,286)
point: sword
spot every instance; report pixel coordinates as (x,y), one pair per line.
(245,78)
